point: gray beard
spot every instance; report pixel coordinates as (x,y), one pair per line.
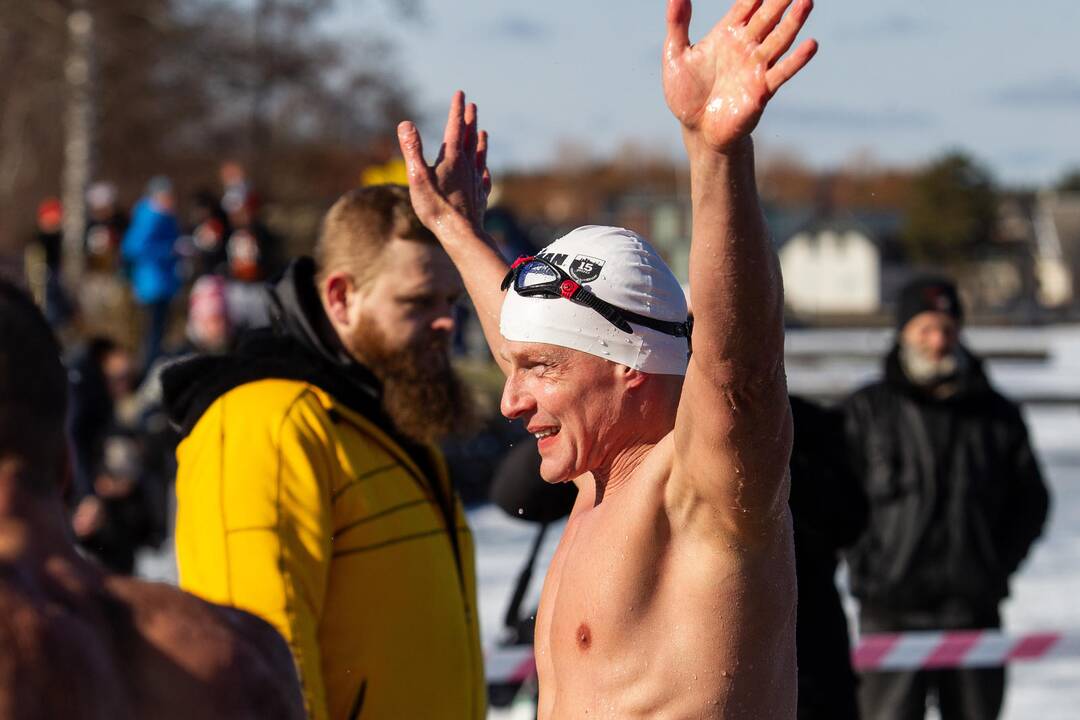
(926,371)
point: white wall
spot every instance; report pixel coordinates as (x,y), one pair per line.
(831,273)
(1055,282)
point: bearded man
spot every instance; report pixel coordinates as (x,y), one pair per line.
(672,593)
(956,501)
(309,491)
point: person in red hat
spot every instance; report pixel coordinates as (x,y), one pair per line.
(49,236)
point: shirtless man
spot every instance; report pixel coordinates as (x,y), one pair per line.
(75,641)
(672,593)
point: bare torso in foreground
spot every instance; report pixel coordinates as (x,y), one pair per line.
(663,616)
(81,644)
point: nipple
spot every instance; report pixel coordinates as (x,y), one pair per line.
(584,637)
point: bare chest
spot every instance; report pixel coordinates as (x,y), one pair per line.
(638,618)
(605,577)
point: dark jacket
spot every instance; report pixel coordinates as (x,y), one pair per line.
(52,244)
(89,416)
(829,512)
(956,496)
(103,445)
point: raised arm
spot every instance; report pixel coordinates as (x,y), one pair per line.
(733,430)
(450,198)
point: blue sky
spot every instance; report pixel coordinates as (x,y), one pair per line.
(898,80)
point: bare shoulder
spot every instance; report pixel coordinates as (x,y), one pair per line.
(239,662)
(47,644)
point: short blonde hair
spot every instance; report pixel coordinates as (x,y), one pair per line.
(358,227)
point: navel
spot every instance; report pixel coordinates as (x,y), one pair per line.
(584,637)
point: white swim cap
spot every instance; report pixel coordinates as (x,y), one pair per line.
(622,268)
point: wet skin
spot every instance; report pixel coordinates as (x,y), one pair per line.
(648,613)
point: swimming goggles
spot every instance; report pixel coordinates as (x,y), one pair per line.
(536,277)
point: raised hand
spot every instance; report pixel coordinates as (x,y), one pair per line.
(456,187)
(719,87)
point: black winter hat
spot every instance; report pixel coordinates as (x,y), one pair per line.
(928,294)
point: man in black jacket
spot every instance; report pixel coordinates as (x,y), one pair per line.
(956,501)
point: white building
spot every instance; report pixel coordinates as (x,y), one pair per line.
(832,269)
(1056,221)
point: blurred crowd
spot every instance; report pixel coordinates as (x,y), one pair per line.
(147,273)
(145,258)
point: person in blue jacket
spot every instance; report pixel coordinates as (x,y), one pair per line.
(149,249)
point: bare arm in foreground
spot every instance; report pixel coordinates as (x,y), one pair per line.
(733,421)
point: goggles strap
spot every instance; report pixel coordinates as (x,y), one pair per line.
(573,291)
(609,312)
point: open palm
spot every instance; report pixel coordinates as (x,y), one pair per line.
(719,87)
(457,185)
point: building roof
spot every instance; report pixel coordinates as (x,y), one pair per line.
(882,227)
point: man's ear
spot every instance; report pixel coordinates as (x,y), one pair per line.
(631,378)
(336,291)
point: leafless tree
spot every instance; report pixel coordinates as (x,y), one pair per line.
(180,86)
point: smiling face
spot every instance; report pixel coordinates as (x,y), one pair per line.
(568,400)
(583,410)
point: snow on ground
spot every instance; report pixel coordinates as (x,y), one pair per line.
(1046,592)
(834,362)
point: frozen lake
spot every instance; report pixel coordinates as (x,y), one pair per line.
(1046,592)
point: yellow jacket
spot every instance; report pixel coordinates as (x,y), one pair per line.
(295,507)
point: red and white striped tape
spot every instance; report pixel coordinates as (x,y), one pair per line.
(884,651)
(959,648)
(509,665)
